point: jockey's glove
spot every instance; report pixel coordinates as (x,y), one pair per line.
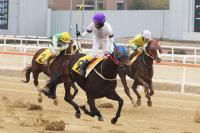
(134,47)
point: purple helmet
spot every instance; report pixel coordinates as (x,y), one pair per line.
(99,17)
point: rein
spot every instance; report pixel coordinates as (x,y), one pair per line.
(100,74)
(112,58)
(147,55)
(104,78)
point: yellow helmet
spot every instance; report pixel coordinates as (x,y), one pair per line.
(65,37)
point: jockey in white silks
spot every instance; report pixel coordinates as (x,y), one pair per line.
(103,38)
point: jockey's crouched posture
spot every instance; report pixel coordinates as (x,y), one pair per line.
(103,38)
(60,42)
(137,43)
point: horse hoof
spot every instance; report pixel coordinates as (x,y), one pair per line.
(100,118)
(113,121)
(133,103)
(78,115)
(39,100)
(138,102)
(151,93)
(149,103)
(55,102)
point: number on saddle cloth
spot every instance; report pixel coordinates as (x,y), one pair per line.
(43,57)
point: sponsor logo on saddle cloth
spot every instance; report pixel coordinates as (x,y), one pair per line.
(43,57)
(90,67)
(134,57)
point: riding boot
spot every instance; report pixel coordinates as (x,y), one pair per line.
(83,66)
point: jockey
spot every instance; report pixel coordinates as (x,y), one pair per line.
(60,42)
(103,38)
(137,43)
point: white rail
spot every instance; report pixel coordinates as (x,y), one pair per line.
(40,40)
(183,81)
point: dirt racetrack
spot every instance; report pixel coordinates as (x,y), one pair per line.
(170,113)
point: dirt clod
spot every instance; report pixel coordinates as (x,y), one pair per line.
(34,107)
(55,126)
(106,105)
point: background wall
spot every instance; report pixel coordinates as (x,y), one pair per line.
(27,17)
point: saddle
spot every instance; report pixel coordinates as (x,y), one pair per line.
(91,65)
(133,56)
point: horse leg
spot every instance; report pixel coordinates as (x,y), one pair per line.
(75,90)
(147,95)
(151,88)
(126,89)
(134,87)
(68,99)
(116,97)
(55,100)
(35,81)
(93,110)
(146,91)
(50,89)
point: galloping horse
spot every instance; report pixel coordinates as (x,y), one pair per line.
(141,70)
(101,82)
(49,69)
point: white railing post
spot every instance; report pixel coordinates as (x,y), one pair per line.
(4,41)
(183,76)
(172,54)
(195,58)
(21,43)
(38,43)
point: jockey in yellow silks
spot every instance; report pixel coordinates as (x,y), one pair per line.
(137,43)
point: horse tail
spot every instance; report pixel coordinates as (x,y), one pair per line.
(28,71)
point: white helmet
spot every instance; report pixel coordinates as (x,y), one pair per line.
(146,34)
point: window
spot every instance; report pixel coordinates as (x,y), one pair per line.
(197,16)
(100,6)
(120,6)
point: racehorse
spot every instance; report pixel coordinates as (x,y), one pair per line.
(101,82)
(141,70)
(49,68)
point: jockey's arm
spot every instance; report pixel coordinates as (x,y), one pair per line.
(111,39)
(88,31)
(53,44)
(111,36)
(132,44)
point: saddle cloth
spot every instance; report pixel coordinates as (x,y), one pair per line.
(43,57)
(90,67)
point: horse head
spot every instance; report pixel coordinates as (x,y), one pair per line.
(76,47)
(72,47)
(153,50)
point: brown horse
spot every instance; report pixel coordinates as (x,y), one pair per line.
(53,69)
(141,70)
(101,82)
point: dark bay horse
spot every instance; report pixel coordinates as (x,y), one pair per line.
(141,70)
(54,69)
(101,82)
